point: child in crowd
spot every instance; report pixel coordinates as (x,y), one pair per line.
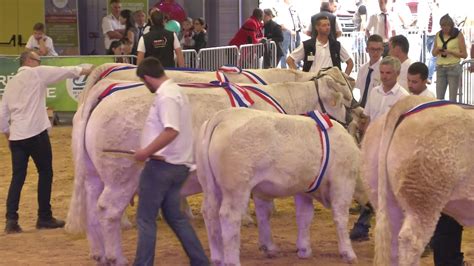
(187,33)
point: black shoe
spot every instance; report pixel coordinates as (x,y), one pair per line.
(12,227)
(49,224)
(360,232)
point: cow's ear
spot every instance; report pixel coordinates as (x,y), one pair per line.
(336,98)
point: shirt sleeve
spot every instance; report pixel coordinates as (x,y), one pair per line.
(50,46)
(4,116)
(176,44)
(344,54)
(50,74)
(298,53)
(371,23)
(141,45)
(169,113)
(30,44)
(106,25)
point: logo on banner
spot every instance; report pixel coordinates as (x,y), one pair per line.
(75,86)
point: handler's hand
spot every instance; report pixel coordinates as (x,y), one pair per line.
(141,155)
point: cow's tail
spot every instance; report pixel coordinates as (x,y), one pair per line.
(206,176)
(383,237)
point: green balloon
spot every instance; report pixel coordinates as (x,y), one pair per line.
(173,25)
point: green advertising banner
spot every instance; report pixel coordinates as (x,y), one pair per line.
(62,96)
(132,5)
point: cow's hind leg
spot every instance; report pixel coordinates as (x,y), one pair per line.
(263,209)
(304,217)
(234,204)
(94,188)
(111,205)
(210,211)
(341,198)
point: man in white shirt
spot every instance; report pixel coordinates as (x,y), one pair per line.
(417,80)
(24,120)
(290,23)
(111,26)
(399,47)
(368,76)
(40,42)
(384,96)
(167,136)
(321,51)
(381,24)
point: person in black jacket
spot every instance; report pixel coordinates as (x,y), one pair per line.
(200,34)
(273,32)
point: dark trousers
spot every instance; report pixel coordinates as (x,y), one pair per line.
(447,242)
(39,148)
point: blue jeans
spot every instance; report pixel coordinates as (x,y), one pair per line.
(285,47)
(159,187)
(445,76)
(431,59)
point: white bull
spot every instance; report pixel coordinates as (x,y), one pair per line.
(244,151)
(416,169)
(105,183)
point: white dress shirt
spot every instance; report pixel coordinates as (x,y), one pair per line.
(322,58)
(403,77)
(362,76)
(33,44)
(427,93)
(110,23)
(379,102)
(377,23)
(23,106)
(171,109)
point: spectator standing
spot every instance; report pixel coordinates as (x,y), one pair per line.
(131,32)
(200,34)
(291,26)
(326,10)
(427,21)
(399,47)
(111,26)
(449,48)
(24,121)
(167,133)
(160,43)
(187,33)
(251,30)
(381,24)
(139,17)
(40,42)
(320,51)
(273,32)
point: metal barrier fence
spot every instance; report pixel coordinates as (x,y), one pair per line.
(247,56)
(465,92)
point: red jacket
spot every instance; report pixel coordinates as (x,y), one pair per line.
(250,32)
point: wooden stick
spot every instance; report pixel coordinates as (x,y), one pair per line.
(131,152)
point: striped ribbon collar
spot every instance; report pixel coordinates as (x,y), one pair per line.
(117,87)
(323,124)
(112,69)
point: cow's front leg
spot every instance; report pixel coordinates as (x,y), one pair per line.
(304,217)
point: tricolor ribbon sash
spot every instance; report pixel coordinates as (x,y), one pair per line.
(324,123)
(117,87)
(238,96)
(110,70)
(427,105)
(254,78)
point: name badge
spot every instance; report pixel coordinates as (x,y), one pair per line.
(310,57)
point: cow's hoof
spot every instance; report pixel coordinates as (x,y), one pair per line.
(270,251)
(349,258)
(304,253)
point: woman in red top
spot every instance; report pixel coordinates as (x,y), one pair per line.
(251,31)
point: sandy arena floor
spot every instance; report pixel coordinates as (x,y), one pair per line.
(56,247)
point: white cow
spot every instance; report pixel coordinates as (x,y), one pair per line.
(104,183)
(416,169)
(244,151)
